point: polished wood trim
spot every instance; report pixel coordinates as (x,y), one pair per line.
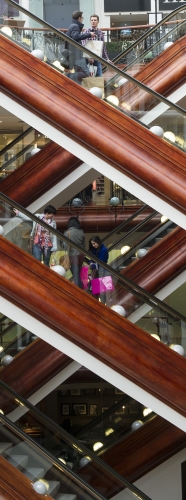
(139,452)
(99,218)
(112,339)
(14,485)
(40,172)
(163,262)
(114,137)
(25,379)
(163,74)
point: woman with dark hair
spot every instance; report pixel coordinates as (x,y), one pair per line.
(97,248)
(44,242)
(76,235)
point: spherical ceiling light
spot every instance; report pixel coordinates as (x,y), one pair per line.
(59,270)
(119,309)
(177,348)
(58,65)
(122,81)
(141,252)
(114,202)
(167,45)
(124,249)
(77,202)
(113,99)
(38,54)
(169,135)
(96,91)
(84,461)
(6,360)
(7,31)
(62,460)
(97,446)
(1,230)
(34,151)
(147,411)
(40,487)
(164,218)
(125,106)
(155,336)
(157,130)
(136,425)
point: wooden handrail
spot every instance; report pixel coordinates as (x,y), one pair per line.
(53,164)
(161,167)
(14,485)
(163,75)
(139,452)
(162,263)
(112,339)
(25,378)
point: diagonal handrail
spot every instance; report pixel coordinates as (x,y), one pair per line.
(70,440)
(109,65)
(129,285)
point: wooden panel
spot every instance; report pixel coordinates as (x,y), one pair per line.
(40,173)
(164,73)
(114,137)
(99,218)
(163,262)
(14,485)
(142,450)
(112,339)
(28,376)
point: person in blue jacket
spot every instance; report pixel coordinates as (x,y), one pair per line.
(97,248)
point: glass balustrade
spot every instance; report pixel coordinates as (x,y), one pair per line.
(14,338)
(152,43)
(67,459)
(19,150)
(119,89)
(98,279)
(135,243)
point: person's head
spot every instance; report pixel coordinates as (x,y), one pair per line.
(67,425)
(78,15)
(95,242)
(94,21)
(49,212)
(73,222)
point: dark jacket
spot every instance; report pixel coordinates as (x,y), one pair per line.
(101,253)
(78,237)
(74,32)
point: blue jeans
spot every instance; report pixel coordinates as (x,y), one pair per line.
(99,68)
(40,253)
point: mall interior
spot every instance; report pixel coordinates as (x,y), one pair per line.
(92,383)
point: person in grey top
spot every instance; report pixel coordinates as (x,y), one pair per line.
(76,235)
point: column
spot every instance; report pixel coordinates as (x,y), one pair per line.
(87,7)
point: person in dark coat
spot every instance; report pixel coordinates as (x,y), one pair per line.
(77,61)
(76,235)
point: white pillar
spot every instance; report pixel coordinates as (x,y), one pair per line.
(104,21)
(87,7)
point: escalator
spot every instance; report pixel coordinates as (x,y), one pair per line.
(146,157)
(62,322)
(44,452)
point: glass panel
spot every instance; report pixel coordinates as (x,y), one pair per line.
(71,453)
(14,338)
(111,425)
(97,278)
(19,150)
(150,45)
(54,478)
(128,95)
(136,243)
